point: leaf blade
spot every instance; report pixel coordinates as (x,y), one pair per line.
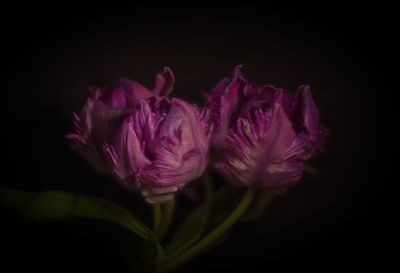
(57,205)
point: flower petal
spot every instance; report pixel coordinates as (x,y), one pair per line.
(126,154)
(180,147)
(117,98)
(164,82)
(256,144)
(224,101)
(134,91)
(307,111)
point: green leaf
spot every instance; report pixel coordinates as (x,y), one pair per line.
(58,205)
(203,219)
(256,209)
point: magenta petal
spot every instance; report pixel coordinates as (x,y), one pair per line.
(280,175)
(134,91)
(135,150)
(301,147)
(146,121)
(223,103)
(221,120)
(92,127)
(195,123)
(164,82)
(257,151)
(179,148)
(117,98)
(276,143)
(280,134)
(309,112)
(126,151)
(233,89)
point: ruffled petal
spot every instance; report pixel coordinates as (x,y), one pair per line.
(281,175)
(223,102)
(164,82)
(307,111)
(127,156)
(117,98)
(92,127)
(255,144)
(180,147)
(134,91)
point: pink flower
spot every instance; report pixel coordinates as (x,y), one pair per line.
(263,134)
(149,142)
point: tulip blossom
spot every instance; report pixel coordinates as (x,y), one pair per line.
(263,134)
(149,142)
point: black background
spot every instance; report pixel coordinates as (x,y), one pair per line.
(53,54)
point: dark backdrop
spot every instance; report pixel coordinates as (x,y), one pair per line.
(53,54)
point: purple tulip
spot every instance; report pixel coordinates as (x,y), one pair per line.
(264,134)
(151,143)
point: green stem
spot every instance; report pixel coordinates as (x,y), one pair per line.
(166,220)
(212,236)
(208,184)
(156,216)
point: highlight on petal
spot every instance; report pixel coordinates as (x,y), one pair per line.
(159,194)
(280,175)
(154,199)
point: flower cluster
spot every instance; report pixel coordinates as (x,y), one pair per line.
(154,144)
